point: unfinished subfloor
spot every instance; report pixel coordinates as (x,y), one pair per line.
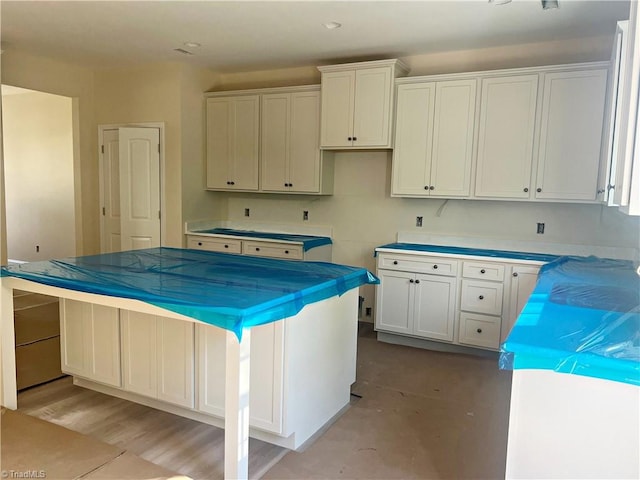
(421,415)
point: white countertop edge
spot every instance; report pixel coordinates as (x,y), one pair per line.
(620,253)
(462,256)
(190,227)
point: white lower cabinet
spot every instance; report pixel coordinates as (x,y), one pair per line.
(158,357)
(416,304)
(523,281)
(267,366)
(90,341)
(492,295)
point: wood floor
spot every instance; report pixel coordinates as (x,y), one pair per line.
(176,443)
(422,415)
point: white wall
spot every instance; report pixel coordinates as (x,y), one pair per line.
(39,179)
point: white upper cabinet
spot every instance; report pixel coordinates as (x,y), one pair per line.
(505,142)
(569,150)
(290,149)
(627,182)
(232,142)
(357,101)
(434,138)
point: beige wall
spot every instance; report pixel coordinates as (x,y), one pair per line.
(38,152)
(169,93)
(45,75)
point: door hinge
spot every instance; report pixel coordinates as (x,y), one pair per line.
(103,211)
(158,148)
(159,216)
(102,148)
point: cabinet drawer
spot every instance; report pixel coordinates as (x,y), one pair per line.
(483,271)
(213,244)
(419,264)
(274,250)
(481,297)
(479,330)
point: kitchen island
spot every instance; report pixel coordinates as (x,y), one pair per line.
(575,355)
(146,303)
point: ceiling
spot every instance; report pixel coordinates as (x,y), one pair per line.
(238,36)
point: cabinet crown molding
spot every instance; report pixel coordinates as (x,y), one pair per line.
(503,71)
(259,91)
(400,67)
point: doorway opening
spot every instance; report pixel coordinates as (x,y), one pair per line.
(38,142)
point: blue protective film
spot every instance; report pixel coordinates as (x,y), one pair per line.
(225,290)
(583,318)
(308,241)
(540,257)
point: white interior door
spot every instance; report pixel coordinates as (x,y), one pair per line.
(110,238)
(131,188)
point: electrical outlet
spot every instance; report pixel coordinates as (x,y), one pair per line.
(305,215)
(418,221)
(367,311)
(246,212)
(540,228)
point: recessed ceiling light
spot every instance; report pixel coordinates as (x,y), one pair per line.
(192,44)
(331,25)
(549,4)
(182,51)
(499,2)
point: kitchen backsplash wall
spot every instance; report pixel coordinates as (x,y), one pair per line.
(363,215)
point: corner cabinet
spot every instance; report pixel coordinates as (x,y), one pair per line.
(357,104)
(460,300)
(434,139)
(571,135)
(232,142)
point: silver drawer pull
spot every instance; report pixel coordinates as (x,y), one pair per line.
(483,271)
(435,267)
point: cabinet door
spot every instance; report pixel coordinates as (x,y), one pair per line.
(394,301)
(571,135)
(246,144)
(453,138)
(523,281)
(276,131)
(413,139)
(434,314)
(372,107)
(505,141)
(90,341)
(139,353)
(338,97)
(220,120)
(232,142)
(266,376)
(304,154)
(175,350)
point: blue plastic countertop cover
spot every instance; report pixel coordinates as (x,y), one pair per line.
(541,257)
(225,290)
(308,241)
(583,318)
